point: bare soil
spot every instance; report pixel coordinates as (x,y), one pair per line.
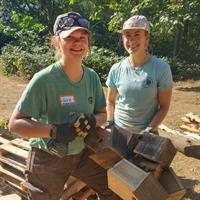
(186,98)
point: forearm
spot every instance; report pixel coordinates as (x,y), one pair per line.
(158,118)
(110,111)
(26,127)
(100,118)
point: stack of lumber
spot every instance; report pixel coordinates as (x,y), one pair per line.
(187,141)
(191,123)
(13,155)
(147,175)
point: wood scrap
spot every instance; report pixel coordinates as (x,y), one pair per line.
(185,142)
(191,123)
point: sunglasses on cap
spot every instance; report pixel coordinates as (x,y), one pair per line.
(71,19)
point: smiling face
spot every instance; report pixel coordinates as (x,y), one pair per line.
(74,46)
(135,41)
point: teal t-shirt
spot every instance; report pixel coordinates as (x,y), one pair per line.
(138,88)
(50,96)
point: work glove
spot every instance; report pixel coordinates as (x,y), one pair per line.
(83,123)
(109,124)
(148,130)
(63,133)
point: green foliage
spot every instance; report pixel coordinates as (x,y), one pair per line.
(174,32)
(26,59)
(101,60)
(182,70)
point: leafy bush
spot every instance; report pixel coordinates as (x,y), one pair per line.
(101,60)
(27,56)
(182,70)
(23,63)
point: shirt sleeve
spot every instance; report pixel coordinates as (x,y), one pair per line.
(165,78)
(32,101)
(100,101)
(110,82)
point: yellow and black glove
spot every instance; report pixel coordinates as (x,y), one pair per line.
(83,123)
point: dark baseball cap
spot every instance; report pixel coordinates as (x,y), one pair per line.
(69,22)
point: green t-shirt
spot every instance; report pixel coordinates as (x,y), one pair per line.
(50,96)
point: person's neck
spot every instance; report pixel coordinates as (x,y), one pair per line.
(73,69)
(139,60)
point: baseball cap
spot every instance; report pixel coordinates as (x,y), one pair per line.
(136,22)
(67,23)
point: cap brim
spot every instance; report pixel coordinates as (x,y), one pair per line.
(66,33)
(132,28)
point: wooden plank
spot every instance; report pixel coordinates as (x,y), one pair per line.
(23,144)
(3,140)
(193,117)
(18,189)
(129,182)
(172,185)
(12,173)
(190,128)
(156,148)
(98,141)
(10,197)
(106,158)
(13,161)
(14,150)
(72,187)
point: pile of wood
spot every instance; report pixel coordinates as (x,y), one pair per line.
(187,141)
(147,175)
(191,123)
(13,155)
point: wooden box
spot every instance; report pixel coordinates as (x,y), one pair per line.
(172,185)
(130,182)
(156,148)
(147,165)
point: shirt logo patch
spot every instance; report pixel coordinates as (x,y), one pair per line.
(147,82)
(90,100)
(67,100)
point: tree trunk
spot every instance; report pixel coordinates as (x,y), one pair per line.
(178,41)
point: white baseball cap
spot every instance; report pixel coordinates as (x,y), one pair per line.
(136,22)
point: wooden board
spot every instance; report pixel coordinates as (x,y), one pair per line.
(3,140)
(156,148)
(23,144)
(130,182)
(17,189)
(14,150)
(12,173)
(99,140)
(106,158)
(13,161)
(172,185)
(10,197)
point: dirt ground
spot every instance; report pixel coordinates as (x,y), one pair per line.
(186,98)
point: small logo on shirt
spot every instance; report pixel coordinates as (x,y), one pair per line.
(90,100)
(147,82)
(67,100)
